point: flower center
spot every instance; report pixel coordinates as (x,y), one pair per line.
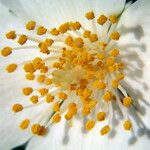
(85,64)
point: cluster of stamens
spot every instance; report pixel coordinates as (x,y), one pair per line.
(83,66)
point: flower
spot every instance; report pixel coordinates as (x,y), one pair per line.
(72,65)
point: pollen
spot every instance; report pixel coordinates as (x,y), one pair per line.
(22,39)
(56,107)
(101,20)
(6,51)
(90,15)
(105,130)
(113,19)
(62,96)
(115,36)
(41,30)
(24,124)
(41,78)
(11,68)
(17,108)
(37,129)
(29,68)
(49,98)
(114,52)
(34,99)
(27,91)
(107,96)
(30,76)
(11,35)
(43,91)
(31,25)
(93,38)
(56,118)
(101,116)
(54,31)
(89,125)
(127,101)
(87,34)
(115,83)
(127,125)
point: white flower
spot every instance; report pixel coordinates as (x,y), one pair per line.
(81,69)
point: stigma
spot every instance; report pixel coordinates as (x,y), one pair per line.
(84,65)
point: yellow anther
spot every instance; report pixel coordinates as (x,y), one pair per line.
(127,101)
(102,45)
(89,75)
(34,99)
(115,83)
(31,25)
(56,107)
(11,35)
(105,130)
(72,111)
(102,19)
(115,36)
(48,81)
(17,108)
(11,68)
(107,96)
(44,69)
(43,91)
(99,85)
(29,67)
(22,39)
(127,125)
(110,61)
(64,27)
(54,31)
(86,93)
(38,63)
(57,65)
(101,56)
(37,129)
(24,124)
(43,48)
(72,87)
(41,78)
(49,98)
(113,19)
(112,68)
(74,25)
(56,118)
(119,76)
(100,75)
(62,96)
(100,64)
(89,125)
(49,42)
(114,52)
(69,40)
(78,42)
(93,38)
(41,30)
(90,15)
(27,90)
(101,116)
(121,66)
(6,51)
(93,103)
(30,76)
(87,34)
(72,105)
(86,110)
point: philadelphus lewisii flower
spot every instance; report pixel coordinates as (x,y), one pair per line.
(74,74)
